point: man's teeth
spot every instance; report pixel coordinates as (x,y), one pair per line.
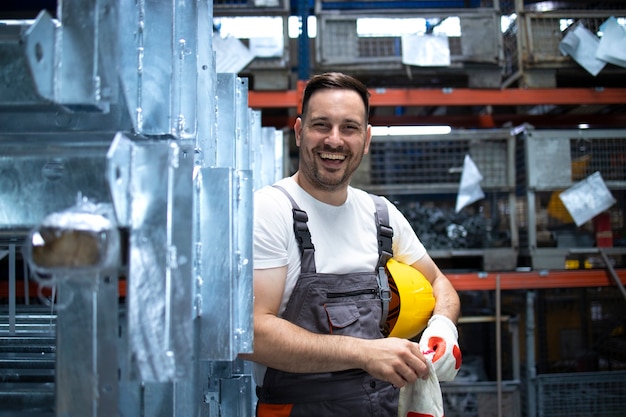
(333,156)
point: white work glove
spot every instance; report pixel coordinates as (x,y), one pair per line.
(422,398)
(439,342)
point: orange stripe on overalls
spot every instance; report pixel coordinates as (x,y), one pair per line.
(274,410)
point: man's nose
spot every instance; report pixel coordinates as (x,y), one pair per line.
(334,137)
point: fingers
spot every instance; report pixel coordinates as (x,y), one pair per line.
(398,361)
(417,363)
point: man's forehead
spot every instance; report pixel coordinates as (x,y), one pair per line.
(318,108)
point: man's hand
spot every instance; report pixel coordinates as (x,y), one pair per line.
(440,340)
(398,361)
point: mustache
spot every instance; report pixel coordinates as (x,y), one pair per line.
(328,148)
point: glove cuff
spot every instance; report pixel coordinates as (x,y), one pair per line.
(441,319)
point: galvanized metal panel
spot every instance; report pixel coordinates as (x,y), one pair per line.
(177,259)
(225,305)
(41,174)
(268,152)
(54,118)
(243,153)
(27,62)
(79,249)
(232,122)
(271,156)
(87,58)
(72,64)
(159,301)
(86,375)
(159,65)
(244,294)
(206,137)
(40,48)
(548,161)
(279,155)
(255,126)
(236,395)
(146,68)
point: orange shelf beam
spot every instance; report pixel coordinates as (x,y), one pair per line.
(509,280)
(457,97)
(535,279)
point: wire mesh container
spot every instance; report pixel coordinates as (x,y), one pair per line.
(341,42)
(479,399)
(553,162)
(434,163)
(422,175)
(598,394)
(546,31)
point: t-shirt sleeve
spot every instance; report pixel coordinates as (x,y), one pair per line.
(272,228)
(407,247)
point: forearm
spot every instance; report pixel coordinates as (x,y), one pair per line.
(281,345)
(447,299)
(284,346)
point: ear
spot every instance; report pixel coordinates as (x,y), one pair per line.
(297,129)
(368,139)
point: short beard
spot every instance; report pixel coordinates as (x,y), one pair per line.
(324,185)
(313,173)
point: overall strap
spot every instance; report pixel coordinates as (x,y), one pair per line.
(303,235)
(385,252)
(383,230)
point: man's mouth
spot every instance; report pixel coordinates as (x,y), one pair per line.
(332,156)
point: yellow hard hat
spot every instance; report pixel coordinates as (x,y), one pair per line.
(412,301)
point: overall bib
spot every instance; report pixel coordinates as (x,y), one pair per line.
(340,304)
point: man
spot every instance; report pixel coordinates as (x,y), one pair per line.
(318,346)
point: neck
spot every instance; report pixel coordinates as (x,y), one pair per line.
(334,198)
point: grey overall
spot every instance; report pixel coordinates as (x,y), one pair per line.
(338,304)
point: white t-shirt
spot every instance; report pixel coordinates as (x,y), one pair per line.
(344,236)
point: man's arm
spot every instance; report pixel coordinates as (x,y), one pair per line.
(440,337)
(282,345)
(447,302)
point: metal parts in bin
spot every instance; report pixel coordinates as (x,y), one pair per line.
(422,174)
(534,37)
(339,46)
(551,161)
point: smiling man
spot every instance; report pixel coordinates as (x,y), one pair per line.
(319,341)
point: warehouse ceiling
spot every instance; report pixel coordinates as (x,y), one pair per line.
(595,115)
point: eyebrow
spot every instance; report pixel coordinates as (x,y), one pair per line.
(326,118)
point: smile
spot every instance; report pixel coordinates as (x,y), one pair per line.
(332,156)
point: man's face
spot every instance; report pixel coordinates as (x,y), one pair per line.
(333,137)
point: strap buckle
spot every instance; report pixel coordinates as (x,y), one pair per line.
(385,297)
(383,285)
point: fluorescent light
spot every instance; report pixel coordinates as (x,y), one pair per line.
(410,130)
(583,126)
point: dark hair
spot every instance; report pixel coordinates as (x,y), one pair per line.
(335,80)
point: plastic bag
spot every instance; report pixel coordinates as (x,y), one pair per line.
(422,398)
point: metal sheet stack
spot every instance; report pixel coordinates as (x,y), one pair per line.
(127,166)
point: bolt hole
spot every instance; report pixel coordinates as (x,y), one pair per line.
(38,52)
